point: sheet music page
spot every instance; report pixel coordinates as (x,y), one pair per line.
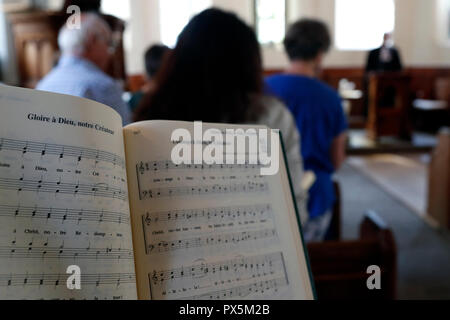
(63,199)
(210,231)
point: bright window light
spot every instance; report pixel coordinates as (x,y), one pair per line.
(119,9)
(175,15)
(360,24)
(270,21)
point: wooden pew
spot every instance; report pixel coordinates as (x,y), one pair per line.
(439,181)
(339,268)
(334,230)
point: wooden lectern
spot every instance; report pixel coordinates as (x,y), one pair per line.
(389,105)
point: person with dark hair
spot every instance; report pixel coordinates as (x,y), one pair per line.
(216,62)
(153,58)
(385,58)
(320,118)
(214,74)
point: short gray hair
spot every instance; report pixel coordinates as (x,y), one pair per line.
(74,40)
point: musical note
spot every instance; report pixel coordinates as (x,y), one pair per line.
(24,149)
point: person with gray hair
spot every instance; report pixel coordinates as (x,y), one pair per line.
(81,69)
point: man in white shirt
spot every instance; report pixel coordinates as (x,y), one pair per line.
(80,71)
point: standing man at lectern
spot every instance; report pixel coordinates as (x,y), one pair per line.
(385,58)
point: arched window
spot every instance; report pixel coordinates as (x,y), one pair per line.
(360,24)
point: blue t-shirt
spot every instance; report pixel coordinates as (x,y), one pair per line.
(317,109)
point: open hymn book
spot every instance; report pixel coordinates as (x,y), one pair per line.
(77,189)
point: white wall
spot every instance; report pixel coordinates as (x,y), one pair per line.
(415,31)
(415,34)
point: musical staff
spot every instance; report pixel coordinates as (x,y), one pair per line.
(59,279)
(210,240)
(78,215)
(254,266)
(155,166)
(57,187)
(61,151)
(258,287)
(244,187)
(209,215)
(61,252)
(63,200)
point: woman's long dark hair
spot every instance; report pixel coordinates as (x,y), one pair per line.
(211,75)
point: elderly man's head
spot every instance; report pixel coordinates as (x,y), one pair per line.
(91,41)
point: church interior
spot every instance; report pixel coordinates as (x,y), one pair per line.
(392,205)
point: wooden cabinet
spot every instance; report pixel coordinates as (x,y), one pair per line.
(35,39)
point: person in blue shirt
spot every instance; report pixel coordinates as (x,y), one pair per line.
(80,70)
(319,115)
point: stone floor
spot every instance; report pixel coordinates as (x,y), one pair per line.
(423,252)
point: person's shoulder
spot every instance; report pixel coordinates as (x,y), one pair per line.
(272,104)
(276,114)
(283,77)
(102,83)
(289,84)
(326,91)
(102,78)
(394,49)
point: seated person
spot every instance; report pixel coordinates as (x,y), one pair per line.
(319,115)
(80,70)
(154,57)
(385,58)
(214,74)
